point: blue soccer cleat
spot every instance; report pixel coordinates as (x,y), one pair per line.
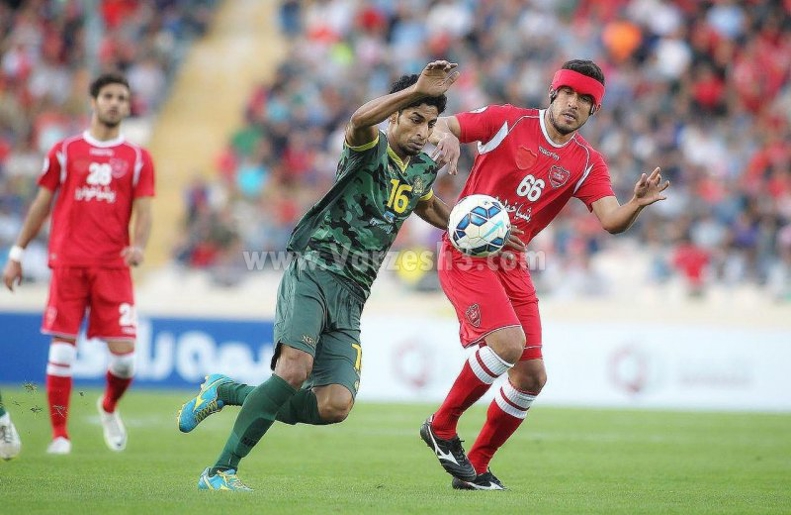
(222,480)
(206,403)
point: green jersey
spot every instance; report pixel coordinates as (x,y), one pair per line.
(350,230)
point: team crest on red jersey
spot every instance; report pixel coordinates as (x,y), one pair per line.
(525,158)
(558,176)
(119,167)
(473,315)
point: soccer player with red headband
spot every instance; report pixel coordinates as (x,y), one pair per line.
(534,161)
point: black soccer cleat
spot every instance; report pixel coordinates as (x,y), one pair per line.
(450,453)
(485,481)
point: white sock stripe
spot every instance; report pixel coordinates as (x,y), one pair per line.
(53,369)
(478,369)
(61,357)
(517,397)
(509,408)
(501,360)
(493,362)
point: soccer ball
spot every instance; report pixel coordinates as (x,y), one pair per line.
(479,225)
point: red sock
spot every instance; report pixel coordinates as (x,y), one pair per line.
(479,371)
(58,394)
(116,386)
(505,414)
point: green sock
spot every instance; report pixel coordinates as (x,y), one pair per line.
(255,418)
(234,394)
(302,407)
(2,406)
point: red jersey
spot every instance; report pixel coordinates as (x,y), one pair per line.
(97,183)
(519,165)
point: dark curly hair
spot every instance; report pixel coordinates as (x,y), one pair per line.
(405,81)
(105,79)
(585,67)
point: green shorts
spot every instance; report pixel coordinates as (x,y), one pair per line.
(318,314)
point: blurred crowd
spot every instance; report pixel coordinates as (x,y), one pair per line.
(700,88)
(49,52)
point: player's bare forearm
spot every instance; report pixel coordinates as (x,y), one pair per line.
(143,220)
(434,211)
(433,81)
(362,127)
(615,218)
(38,212)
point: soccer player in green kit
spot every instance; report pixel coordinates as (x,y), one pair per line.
(338,248)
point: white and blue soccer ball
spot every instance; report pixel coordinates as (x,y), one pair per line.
(479,225)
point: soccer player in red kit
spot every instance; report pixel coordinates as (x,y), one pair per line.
(102,182)
(534,161)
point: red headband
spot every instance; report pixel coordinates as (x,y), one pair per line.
(580,83)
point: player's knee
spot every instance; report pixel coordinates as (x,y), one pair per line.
(516,346)
(122,365)
(531,379)
(62,355)
(294,374)
(293,366)
(336,408)
(508,344)
(535,382)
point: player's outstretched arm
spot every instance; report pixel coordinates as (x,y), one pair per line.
(616,218)
(434,80)
(434,211)
(38,212)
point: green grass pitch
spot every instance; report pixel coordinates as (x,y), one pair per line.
(571,461)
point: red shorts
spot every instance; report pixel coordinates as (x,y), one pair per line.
(490,294)
(105,292)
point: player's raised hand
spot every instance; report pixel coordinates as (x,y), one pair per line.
(447,152)
(436,78)
(650,187)
(12,274)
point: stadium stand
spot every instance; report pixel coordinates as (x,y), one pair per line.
(49,52)
(701,88)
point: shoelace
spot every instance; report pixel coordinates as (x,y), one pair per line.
(210,408)
(456,449)
(232,479)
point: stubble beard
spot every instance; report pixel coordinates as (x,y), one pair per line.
(562,130)
(109,123)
